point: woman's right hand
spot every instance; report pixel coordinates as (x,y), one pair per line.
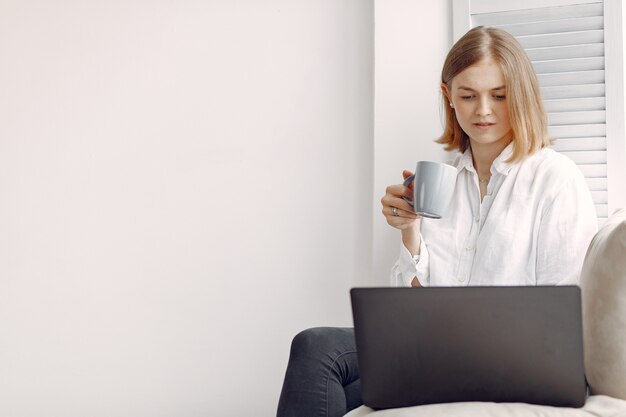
(403,218)
(406,217)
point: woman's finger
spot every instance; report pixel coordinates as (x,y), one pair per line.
(398,202)
(400,222)
(398,212)
(400,190)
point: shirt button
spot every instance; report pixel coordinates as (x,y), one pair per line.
(476,219)
(469,248)
(462,278)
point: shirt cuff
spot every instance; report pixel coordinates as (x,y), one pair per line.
(410,269)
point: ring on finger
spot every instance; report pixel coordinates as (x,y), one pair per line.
(394,211)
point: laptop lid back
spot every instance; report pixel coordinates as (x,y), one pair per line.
(501,344)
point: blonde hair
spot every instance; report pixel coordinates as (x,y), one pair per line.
(527,116)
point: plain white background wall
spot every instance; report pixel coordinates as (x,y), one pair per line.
(412,40)
(184,186)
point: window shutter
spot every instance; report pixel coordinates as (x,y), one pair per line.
(566,44)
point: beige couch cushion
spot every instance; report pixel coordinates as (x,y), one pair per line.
(596,406)
(603,284)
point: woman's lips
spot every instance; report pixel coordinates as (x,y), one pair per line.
(483,125)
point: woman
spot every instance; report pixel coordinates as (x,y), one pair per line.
(521,214)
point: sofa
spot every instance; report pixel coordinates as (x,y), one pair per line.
(603,288)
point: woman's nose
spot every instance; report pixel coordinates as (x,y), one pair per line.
(484,107)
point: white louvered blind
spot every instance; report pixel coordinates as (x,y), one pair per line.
(566,45)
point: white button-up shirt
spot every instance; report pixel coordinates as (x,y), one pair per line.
(532,227)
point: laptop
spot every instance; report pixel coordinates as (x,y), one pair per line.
(451,344)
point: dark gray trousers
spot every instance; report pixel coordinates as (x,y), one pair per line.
(322,377)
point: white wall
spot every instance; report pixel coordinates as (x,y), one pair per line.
(183,187)
(412,40)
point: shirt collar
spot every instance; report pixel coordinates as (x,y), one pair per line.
(499,164)
(466,161)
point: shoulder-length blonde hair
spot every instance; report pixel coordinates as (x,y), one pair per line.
(527,116)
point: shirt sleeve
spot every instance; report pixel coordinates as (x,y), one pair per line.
(405,268)
(567,226)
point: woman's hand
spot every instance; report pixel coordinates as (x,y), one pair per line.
(399,213)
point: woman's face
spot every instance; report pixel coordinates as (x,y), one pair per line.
(478,96)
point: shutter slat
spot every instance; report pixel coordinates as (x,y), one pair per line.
(578,104)
(569,65)
(566,52)
(587,157)
(573,91)
(602,210)
(572,78)
(554,26)
(593,171)
(577,131)
(538,15)
(600,197)
(597,184)
(493,6)
(576,118)
(562,39)
(579,144)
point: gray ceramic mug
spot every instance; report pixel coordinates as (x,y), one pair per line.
(432,189)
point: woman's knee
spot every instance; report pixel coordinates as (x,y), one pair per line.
(322,340)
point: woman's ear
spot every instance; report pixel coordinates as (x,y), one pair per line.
(446,93)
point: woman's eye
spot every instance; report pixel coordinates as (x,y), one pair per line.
(500,97)
(467,97)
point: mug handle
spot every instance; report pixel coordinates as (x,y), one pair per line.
(406,183)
